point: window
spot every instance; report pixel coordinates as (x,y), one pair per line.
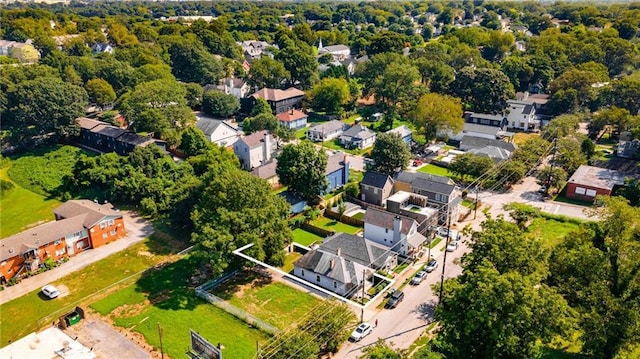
(113,232)
(375,190)
(110,223)
(580,190)
(386,230)
(335,284)
(302,272)
(317,278)
(60,252)
(591,193)
(438,197)
(102,225)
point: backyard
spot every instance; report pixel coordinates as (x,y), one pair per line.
(434,170)
(305,238)
(333,225)
(20,316)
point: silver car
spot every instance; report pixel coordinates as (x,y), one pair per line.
(361,331)
(50,291)
(417,279)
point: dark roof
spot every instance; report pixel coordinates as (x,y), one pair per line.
(335,162)
(384,219)
(527,110)
(356,249)
(291,197)
(481,142)
(376,179)
(328,127)
(208,125)
(427,182)
(135,139)
(109,131)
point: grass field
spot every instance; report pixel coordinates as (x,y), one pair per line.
(521,137)
(289,260)
(434,170)
(164,297)
(305,238)
(276,303)
(333,225)
(335,145)
(359,215)
(551,231)
(30,312)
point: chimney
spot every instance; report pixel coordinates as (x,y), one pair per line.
(339,252)
(230,83)
(397,227)
(333,263)
(266,149)
(292,110)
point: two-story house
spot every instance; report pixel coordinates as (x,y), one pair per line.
(337,171)
(104,137)
(280,100)
(237,87)
(497,150)
(440,191)
(217,131)
(293,119)
(375,188)
(79,225)
(255,150)
(343,263)
(522,115)
(404,132)
(325,131)
(396,232)
(358,136)
(254,50)
(338,52)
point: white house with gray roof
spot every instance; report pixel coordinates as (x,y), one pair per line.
(255,150)
(358,136)
(397,233)
(218,131)
(404,132)
(325,131)
(339,263)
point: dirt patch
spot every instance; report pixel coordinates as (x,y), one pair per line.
(145,254)
(129,310)
(63,290)
(160,297)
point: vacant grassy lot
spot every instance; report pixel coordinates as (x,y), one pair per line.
(164,297)
(521,137)
(333,225)
(20,207)
(434,170)
(306,238)
(289,260)
(551,231)
(276,303)
(32,311)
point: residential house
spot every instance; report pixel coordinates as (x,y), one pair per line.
(499,120)
(103,137)
(358,136)
(79,225)
(280,100)
(587,182)
(21,51)
(497,150)
(522,115)
(325,131)
(268,172)
(477,130)
(237,87)
(337,172)
(254,50)
(440,191)
(376,117)
(293,119)
(217,131)
(343,263)
(338,52)
(349,65)
(628,149)
(102,47)
(296,202)
(396,232)
(414,206)
(255,150)
(405,133)
(375,188)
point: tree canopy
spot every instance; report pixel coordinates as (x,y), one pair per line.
(302,167)
(390,154)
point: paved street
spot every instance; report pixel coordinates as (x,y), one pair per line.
(137,230)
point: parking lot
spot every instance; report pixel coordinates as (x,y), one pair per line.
(105,341)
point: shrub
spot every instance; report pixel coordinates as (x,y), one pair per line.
(6,186)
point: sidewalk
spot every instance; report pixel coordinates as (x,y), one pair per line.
(137,230)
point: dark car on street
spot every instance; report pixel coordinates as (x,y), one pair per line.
(395,299)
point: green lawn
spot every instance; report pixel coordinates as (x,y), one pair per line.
(289,260)
(177,311)
(434,170)
(359,215)
(30,312)
(20,208)
(276,303)
(551,232)
(335,145)
(305,238)
(333,225)
(301,134)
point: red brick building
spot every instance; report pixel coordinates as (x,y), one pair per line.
(79,225)
(588,182)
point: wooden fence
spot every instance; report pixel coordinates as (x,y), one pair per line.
(344,219)
(316,230)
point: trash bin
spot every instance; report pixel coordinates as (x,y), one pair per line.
(73,318)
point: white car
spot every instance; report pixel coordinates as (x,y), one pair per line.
(361,331)
(50,291)
(443,232)
(452,246)
(418,277)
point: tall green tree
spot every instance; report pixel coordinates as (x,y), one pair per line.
(100,92)
(193,142)
(302,167)
(268,72)
(483,90)
(438,113)
(469,164)
(330,95)
(219,104)
(390,154)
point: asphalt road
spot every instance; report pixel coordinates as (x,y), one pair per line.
(401,326)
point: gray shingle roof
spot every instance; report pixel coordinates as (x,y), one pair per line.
(493,152)
(335,162)
(359,131)
(328,127)
(481,142)
(384,219)
(95,211)
(427,182)
(208,125)
(376,179)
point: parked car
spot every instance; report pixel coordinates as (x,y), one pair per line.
(417,279)
(452,246)
(417,163)
(443,232)
(454,234)
(361,331)
(395,299)
(431,266)
(542,189)
(50,291)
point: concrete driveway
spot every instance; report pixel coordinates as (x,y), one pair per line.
(105,341)
(137,230)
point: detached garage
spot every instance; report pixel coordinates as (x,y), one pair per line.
(588,182)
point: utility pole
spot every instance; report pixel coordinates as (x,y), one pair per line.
(553,161)
(160,335)
(475,207)
(444,260)
(362,309)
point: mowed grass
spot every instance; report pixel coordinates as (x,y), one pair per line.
(289,260)
(32,311)
(434,170)
(21,208)
(551,231)
(276,303)
(333,225)
(305,238)
(164,297)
